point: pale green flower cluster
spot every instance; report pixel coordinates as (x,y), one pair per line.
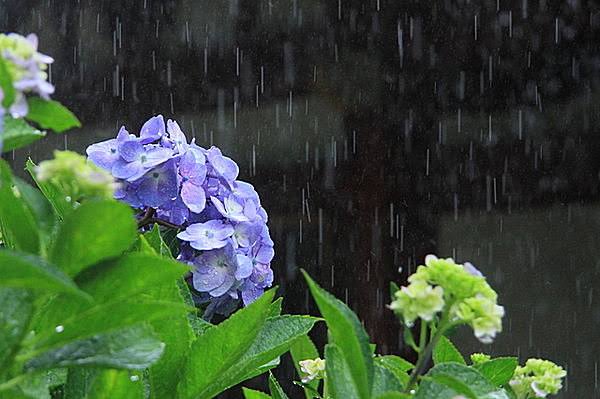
(313,368)
(478,358)
(76,177)
(537,379)
(441,285)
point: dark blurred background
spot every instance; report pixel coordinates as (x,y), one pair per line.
(376,132)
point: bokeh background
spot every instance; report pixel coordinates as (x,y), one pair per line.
(376,132)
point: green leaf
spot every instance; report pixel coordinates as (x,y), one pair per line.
(16,307)
(394,395)
(130,275)
(303,349)
(274,339)
(340,381)
(6,84)
(446,388)
(90,383)
(455,384)
(156,241)
(37,204)
(135,347)
(21,270)
(95,231)
(177,334)
(396,365)
(17,133)
(38,386)
(54,196)
(17,224)
(275,309)
(101,319)
(253,394)
(445,351)
(348,334)
(51,114)
(385,380)
(275,389)
(498,371)
(224,345)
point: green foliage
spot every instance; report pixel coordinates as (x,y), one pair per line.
(93,383)
(17,134)
(445,351)
(275,389)
(53,195)
(498,371)
(50,114)
(16,308)
(73,249)
(17,224)
(6,84)
(254,394)
(350,339)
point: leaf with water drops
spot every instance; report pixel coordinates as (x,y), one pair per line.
(95,383)
(16,307)
(17,134)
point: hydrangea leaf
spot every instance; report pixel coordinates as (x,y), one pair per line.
(253,394)
(384,380)
(38,205)
(18,133)
(445,351)
(135,347)
(27,271)
(274,339)
(499,370)
(38,385)
(17,223)
(348,334)
(95,231)
(51,114)
(454,377)
(130,275)
(339,375)
(275,389)
(396,365)
(394,395)
(17,306)
(156,241)
(93,383)
(6,84)
(224,344)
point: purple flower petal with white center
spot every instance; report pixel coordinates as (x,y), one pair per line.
(262,276)
(206,236)
(223,166)
(103,154)
(265,236)
(152,130)
(192,169)
(215,271)
(173,211)
(243,190)
(244,268)
(263,254)
(177,136)
(246,234)
(159,185)
(231,208)
(193,196)
(127,192)
(142,160)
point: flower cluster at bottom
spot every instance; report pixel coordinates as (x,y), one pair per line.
(224,227)
(537,379)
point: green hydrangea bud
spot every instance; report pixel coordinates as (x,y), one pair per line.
(313,368)
(537,379)
(478,358)
(466,294)
(76,177)
(418,300)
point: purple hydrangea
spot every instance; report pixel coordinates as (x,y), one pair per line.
(223,227)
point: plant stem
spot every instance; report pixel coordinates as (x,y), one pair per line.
(12,382)
(149,218)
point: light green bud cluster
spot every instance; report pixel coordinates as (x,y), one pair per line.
(537,379)
(478,358)
(313,368)
(76,177)
(418,300)
(441,285)
(13,46)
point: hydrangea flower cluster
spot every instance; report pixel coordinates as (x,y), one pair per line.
(75,177)
(443,286)
(537,379)
(224,227)
(27,69)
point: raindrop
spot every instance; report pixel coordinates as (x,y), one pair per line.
(59,329)
(134,378)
